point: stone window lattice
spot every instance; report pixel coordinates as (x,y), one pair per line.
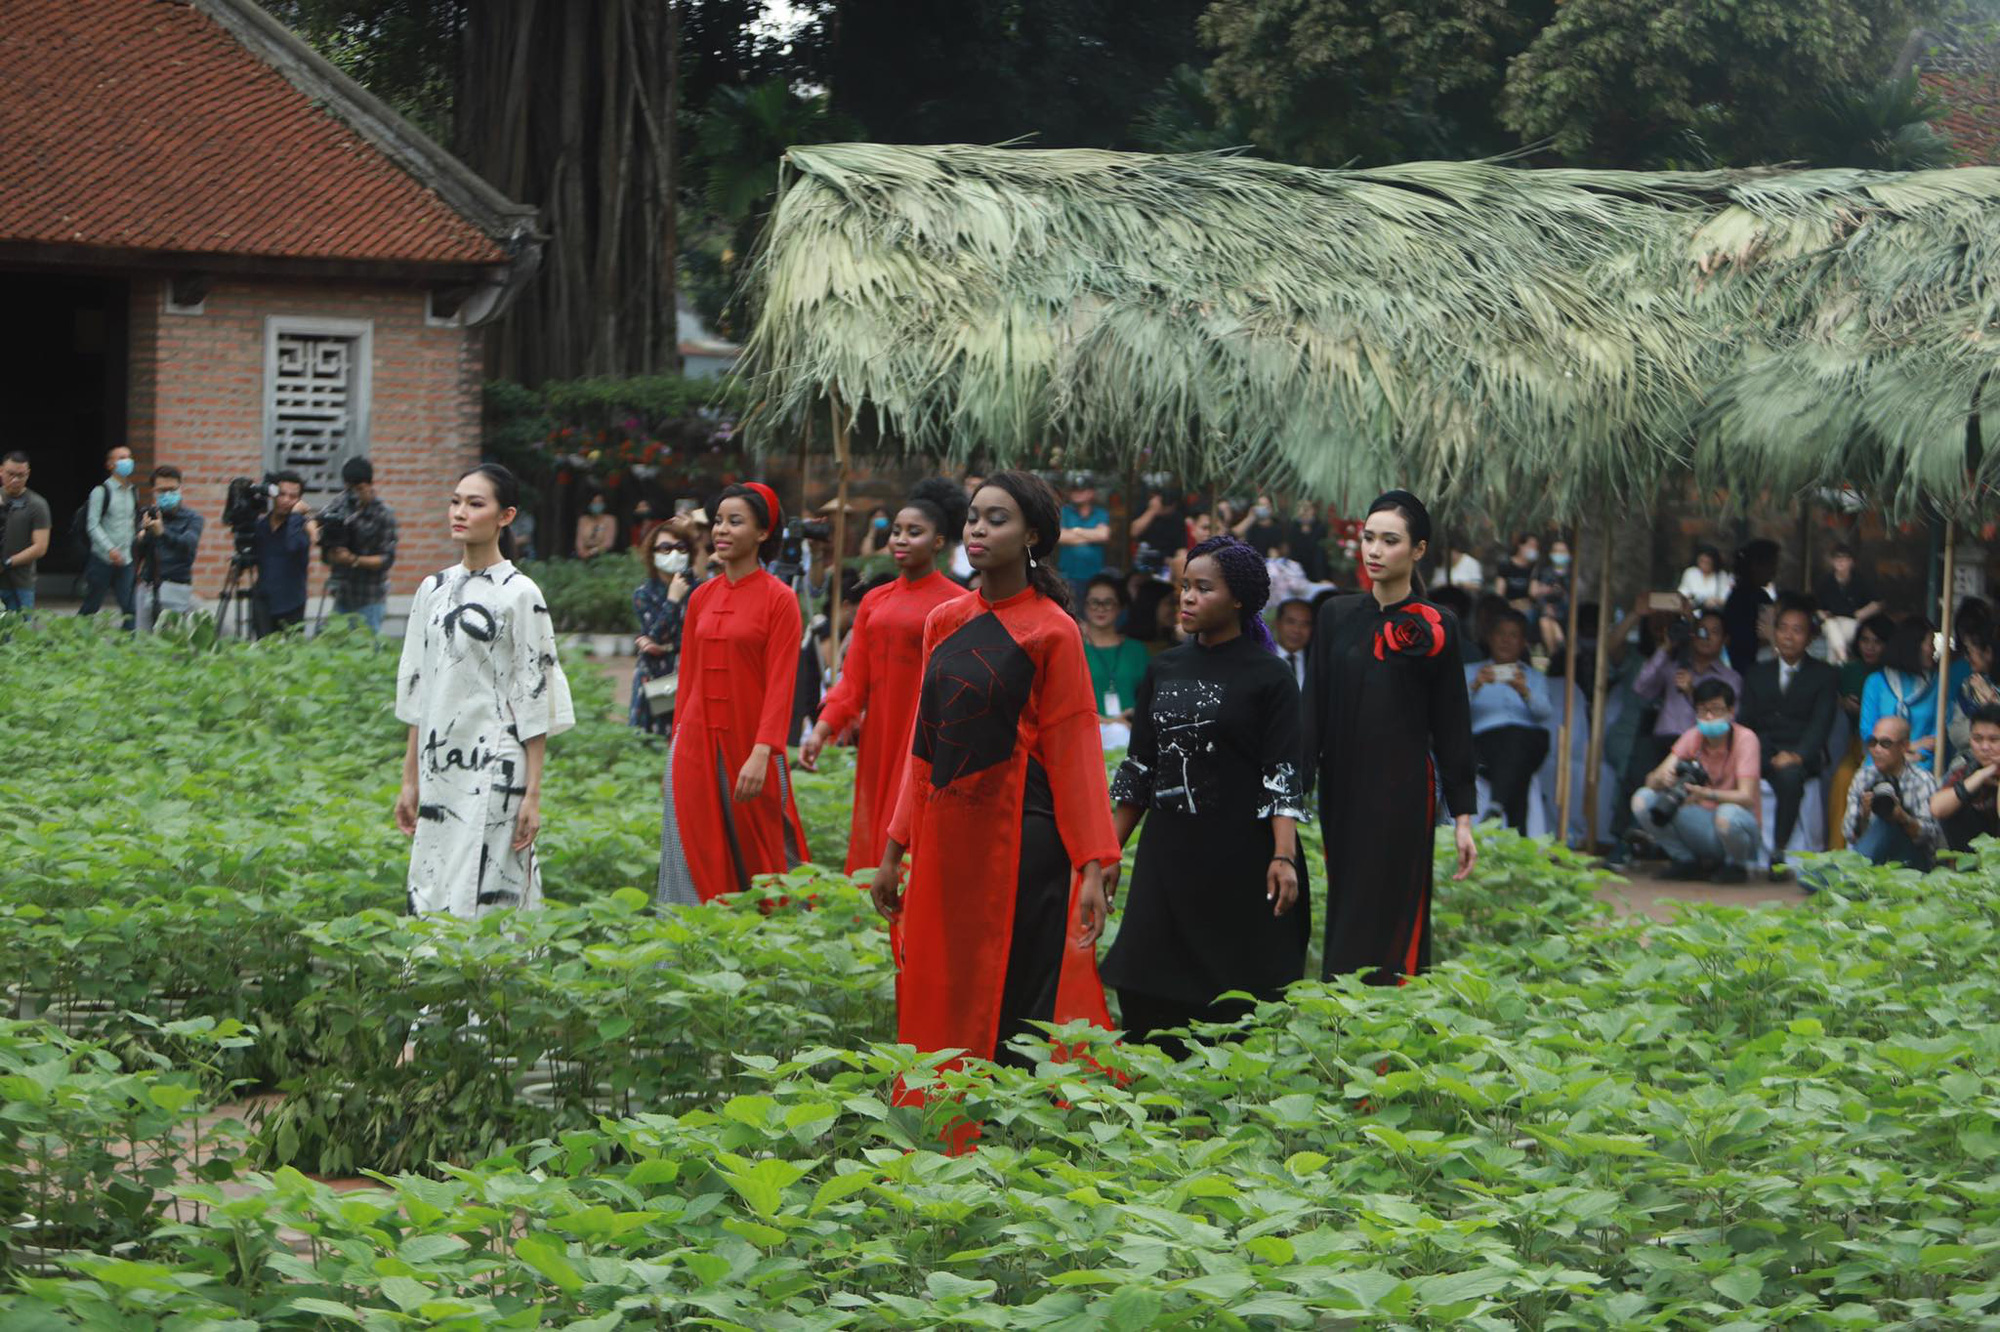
(316,397)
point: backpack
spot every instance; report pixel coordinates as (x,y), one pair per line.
(79,523)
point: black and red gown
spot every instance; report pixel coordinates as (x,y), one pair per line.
(1004,801)
(879,677)
(1388,721)
(739,659)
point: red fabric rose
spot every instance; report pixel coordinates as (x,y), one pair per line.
(1416,630)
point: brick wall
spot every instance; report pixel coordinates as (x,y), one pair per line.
(197,401)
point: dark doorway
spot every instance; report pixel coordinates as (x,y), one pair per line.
(63,376)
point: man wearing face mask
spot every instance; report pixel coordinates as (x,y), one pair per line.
(111,518)
(164,551)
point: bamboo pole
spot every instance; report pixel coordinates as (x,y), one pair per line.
(1565,774)
(839,523)
(1944,655)
(1593,758)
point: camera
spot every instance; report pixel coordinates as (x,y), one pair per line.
(1883,799)
(246,503)
(335,524)
(1680,630)
(1687,773)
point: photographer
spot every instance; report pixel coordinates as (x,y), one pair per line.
(164,551)
(281,545)
(1689,656)
(1965,806)
(1889,817)
(358,539)
(24,533)
(1701,802)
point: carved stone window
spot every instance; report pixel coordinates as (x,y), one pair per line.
(316,396)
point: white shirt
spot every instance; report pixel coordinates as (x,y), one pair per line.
(1785,674)
(1465,572)
(1706,589)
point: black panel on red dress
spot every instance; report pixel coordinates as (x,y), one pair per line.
(969,712)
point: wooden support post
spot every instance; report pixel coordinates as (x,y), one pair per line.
(1593,758)
(1944,654)
(839,525)
(1565,735)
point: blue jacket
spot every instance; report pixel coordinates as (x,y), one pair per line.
(282,559)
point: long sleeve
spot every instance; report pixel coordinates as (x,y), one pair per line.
(1317,696)
(691,651)
(1451,727)
(1073,754)
(1653,676)
(781,669)
(848,698)
(1132,784)
(409,671)
(1876,702)
(97,507)
(1283,795)
(1812,743)
(538,691)
(916,770)
(179,540)
(1538,697)
(388,551)
(1930,833)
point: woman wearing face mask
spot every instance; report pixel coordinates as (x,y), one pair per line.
(481,689)
(1550,590)
(1218,894)
(660,604)
(596,529)
(875,538)
(1003,806)
(1514,579)
(729,810)
(883,665)
(1387,721)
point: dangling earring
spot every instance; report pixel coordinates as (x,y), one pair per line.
(1031,560)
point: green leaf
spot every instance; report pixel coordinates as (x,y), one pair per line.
(1131,1309)
(1741,1284)
(547,1257)
(949,1285)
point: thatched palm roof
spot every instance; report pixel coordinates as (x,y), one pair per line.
(1541,338)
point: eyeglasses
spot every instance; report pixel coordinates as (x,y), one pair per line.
(1882,742)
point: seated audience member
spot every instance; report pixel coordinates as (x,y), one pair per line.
(1871,640)
(1973,685)
(1668,680)
(1292,630)
(1707,822)
(1889,816)
(1790,701)
(1510,714)
(1551,593)
(1964,806)
(1745,615)
(596,530)
(1845,598)
(1515,576)
(1706,583)
(1906,686)
(1486,613)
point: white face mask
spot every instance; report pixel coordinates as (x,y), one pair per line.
(671,561)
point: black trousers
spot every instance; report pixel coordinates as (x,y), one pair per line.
(1789,785)
(1034,950)
(1510,756)
(1146,1017)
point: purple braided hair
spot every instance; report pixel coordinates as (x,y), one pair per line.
(1249,582)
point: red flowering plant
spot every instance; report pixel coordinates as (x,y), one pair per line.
(1414,630)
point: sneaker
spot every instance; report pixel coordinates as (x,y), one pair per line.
(1731,873)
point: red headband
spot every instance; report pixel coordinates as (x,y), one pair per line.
(770,498)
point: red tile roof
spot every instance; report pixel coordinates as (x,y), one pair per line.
(143,125)
(1971,118)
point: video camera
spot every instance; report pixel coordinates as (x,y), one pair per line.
(336,522)
(1687,773)
(246,504)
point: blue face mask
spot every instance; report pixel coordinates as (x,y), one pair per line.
(123,467)
(1560,559)
(1713,728)
(881,523)
(168,499)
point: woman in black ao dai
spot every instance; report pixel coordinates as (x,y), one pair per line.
(1218,898)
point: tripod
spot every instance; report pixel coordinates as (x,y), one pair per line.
(234,590)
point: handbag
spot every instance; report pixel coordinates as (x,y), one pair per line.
(659,691)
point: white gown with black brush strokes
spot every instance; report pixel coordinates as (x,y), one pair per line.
(479,678)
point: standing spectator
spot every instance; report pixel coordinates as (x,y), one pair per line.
(1871,640)
(1086,532)
(1906,686)
(1790,703)
(1746,614)
(1714,832)
(1964,806)
(1845,598)
(1670,678)
(1200,527)
(1889,817)
(644,523)
(362,547)
(1260,529)
(1510,715)
(1160,531)
(164,551)
(1550,589)
(111,517)
(24,533)
(661,605)
(1514,579)
(1706,583)
(596,530)
(875,533)
(1116,662)
(1294,636)
(1309,535)
(282,547)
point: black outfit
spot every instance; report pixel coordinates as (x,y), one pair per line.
(170,557)
(371,530)
(1164,535)
(1387,719)
(1214,758)
(282,554)
(1264,536)
(1309,549)
(1510,756)
(1739,625)
(1514,580)
(1041,921)
(1795,717)
(1978,814)
(1834,599)
(1298,664)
